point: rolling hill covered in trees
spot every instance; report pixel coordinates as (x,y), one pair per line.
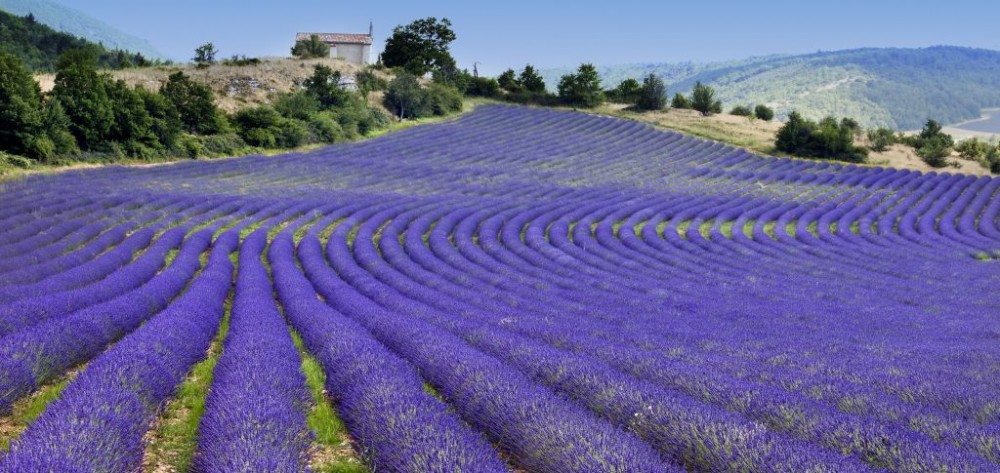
(899,88)
(77,23)
(39,46)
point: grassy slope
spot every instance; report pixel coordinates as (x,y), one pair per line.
(896,87)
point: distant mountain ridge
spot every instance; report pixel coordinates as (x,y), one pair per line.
(77,23)
(895,87)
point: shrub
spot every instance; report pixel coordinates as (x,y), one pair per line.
(508,81)
(482,87)
(259,126)
(827,139)
(763,112)
(443,99)
(935,150)
(530,80)
(367,81)
(404,97)
(241,61)
(310,48)
(195,104)
(993,159)
(973,149)
(223,144)
(190,146)
(627,92)
(741,111)
(880,139)
(325,129)
(299,105)
(652,94)
(680,102)
(293,133)
(379,118)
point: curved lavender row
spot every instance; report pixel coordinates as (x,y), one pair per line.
(99,421)
(45,231)
(539,429)
(26,313)
(255,411)
(399,426)
(34,356)
(38,219)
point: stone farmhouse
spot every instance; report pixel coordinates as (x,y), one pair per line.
(353,48)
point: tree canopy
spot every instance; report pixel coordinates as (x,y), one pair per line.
(420,46)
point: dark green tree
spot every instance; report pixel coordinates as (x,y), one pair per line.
(879,139)
(405,97)
(680,102)
(530,80)
(508,81)
(626,92)
(166,120)
(132,125)
(420,46)
(795,135)
(20,106)
(205,54)
(763,112)
(583,88)
(324,84)
(703,99)
(83,94)
(310,48)
(652,95)
(195,104)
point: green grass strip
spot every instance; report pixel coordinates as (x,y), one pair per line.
(172,442)
(333,452)
(26,410)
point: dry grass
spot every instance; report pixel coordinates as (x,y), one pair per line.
(235,87)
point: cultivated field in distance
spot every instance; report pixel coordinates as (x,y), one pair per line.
(515,289)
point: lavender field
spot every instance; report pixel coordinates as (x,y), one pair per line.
(515,289)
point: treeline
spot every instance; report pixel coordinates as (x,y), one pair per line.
(39,47)
(89,116)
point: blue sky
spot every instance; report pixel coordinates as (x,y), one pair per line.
(501,34)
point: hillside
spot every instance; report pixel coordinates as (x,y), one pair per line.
(77,23)
(899,88)
(39,46)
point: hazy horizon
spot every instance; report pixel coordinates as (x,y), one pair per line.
(553,36)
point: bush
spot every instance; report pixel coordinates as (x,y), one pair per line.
(935,150)
(763,112)
(195,103)
(443,99)
(973,149)
(241,61)
(310,48)
(530,98)
(259,126)
(741,111)
(482,87)
(827,139)
(223,144)
(880,139)
(530,80)
(627,92)
(652,95)
(292,134)
(14,161)
(299,105)
(508,81)
(190,147)
(367,81)
(993,159)
(680,102)
(379,118)
(325,129)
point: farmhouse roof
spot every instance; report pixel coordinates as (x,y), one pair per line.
(338,38)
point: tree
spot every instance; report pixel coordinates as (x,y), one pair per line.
(653,94)
(405,97)
(935,151)
(324,84)
(508,81)
(530,80)
(195,104)
(20,106)
(973,149)
(310,48)
(763,112)
(793,137)
(680,102)
(83,95)
(627,92)
(880,139)
(583,88)
(421,46)
(205,54)
(703,99)
(828,139)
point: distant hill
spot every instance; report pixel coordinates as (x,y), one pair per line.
(77,23)
(39,46)
(900,88)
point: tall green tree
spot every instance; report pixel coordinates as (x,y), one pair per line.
(626,92)
(583,88)
(653,94)
(195,103)
(205,54)
(310,48)
(531,80)
(405,97)
(703,100)
(83,94)
(508,81)
(420,46)
(20,106)
(324,85)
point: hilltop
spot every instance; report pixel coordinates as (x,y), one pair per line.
(898,88)
(71,21)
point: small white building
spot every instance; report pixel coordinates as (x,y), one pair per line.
(353,48)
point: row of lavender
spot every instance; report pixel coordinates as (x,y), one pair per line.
(584,294)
